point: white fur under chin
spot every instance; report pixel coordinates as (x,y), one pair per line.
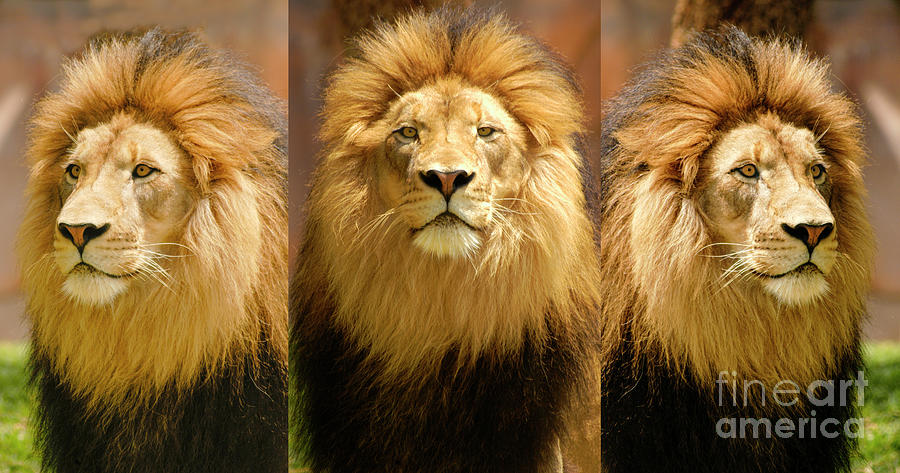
(93,289)
(797,289)
(447,240)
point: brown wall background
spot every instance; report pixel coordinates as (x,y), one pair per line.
(861,38)
(34,38)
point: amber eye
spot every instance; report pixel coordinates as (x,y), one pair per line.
(408,132)
(748,170)
(818,172)
(485,131)
(73,170)
(142,170)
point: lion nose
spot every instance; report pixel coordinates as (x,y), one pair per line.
(446,182)
(82,233)
(810,235)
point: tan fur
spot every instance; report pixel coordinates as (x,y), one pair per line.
(215,215)
(675,216)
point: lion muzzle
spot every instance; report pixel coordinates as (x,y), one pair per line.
(446,182)
(809,234)
(81,234)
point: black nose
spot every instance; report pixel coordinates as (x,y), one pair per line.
(810,235)
(82,233)
(446,182)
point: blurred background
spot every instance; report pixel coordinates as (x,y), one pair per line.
(36,36)
(861,38)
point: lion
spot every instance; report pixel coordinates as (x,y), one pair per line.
(444,306)
(735,262)
(154,257)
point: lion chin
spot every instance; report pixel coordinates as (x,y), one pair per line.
(88,286)
(447,236)
(804,285)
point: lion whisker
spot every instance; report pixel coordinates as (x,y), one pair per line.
(723,244)
(147,276)
(736,274)
(179,245)
(67,132)
(155,272)
(155,254)
(366,230)
(516,212)
(822,135)
(853,264)
(735,270)
(30,269)
(735,254)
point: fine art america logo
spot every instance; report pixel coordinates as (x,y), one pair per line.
(828,395)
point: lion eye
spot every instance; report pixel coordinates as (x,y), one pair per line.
(142,170)
(748,170)
(73,170)
(408,132)
(485,131)
(818,172)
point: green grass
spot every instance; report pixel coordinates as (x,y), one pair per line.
(16,454)
(879,449)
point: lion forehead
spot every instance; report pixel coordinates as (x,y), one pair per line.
(764,144)
(446,103)
(128,142)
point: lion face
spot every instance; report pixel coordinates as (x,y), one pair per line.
(124,190)
(766,198)
(451,153)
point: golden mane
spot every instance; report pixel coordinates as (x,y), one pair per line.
(659,282)
(227,288)
(539,260)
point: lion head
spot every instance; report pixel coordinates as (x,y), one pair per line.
(732,180)
(126,192)
(152,246)
(448,210)
(765,197)
(454,156)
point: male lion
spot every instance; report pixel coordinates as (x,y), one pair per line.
(154,260)
(735,262)
(444,310)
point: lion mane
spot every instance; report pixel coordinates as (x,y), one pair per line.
(670,325)
(189,375)
(407,361)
